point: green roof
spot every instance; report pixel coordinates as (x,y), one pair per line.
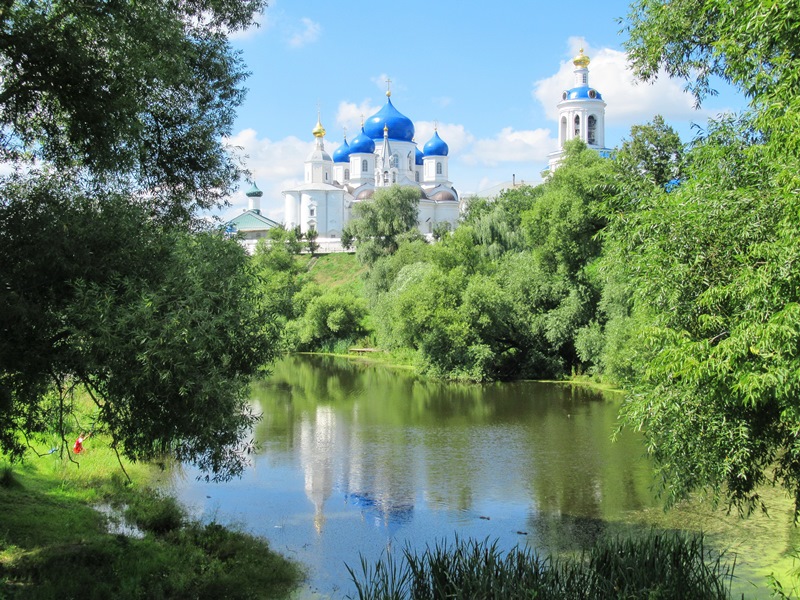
(251,220)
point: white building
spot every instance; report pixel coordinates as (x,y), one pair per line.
(581,114)
(383,154)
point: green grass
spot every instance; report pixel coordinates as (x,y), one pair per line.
(336,270)
(55,545)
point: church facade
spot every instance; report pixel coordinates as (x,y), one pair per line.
(384,153)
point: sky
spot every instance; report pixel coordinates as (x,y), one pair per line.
(488,75)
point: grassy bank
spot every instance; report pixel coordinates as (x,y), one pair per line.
(335,270)
(54,543)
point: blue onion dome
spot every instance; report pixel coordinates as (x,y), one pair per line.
(418,156)
(582,93)
(362,144)
(400,126)
(342,153)
(436,146)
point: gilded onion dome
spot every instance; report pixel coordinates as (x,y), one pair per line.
(319,130)
(581,60)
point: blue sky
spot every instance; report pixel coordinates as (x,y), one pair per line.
(489,75)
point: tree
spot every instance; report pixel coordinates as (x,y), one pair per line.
(163,332)
(653,153)
(379,223)
(311,241)
(113,116)
(715,261)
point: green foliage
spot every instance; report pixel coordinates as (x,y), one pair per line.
(163,331)
(329,317)
(651,157)
(504,295)
(311,241)
(140,95)
(665,566)
(712,265)
(378,223)
(156,513)
(278,273)
(114,117)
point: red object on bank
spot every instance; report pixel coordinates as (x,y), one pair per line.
(78,447)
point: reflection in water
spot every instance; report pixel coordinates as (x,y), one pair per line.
(358,459)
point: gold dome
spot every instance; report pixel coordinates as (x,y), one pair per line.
(319,130)
(581,60)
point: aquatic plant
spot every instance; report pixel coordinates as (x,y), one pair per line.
(658,565)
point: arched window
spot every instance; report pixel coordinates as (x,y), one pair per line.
(410,162)
(577,126)
(438,168)
(591,130)
(585,78)
(312,211)
(346,174)
(364,166)
(394,161)
(394,177)
(386,177)
(563,130)
(416,176)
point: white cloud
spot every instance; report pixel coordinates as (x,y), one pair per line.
(510,145)
(455,136)
(382,83)
(309,34)
(628,102)
(350,116)
(274,166)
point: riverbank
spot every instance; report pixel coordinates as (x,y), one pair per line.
(56,542)
(405,360)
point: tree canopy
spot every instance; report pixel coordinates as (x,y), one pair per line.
(379,224)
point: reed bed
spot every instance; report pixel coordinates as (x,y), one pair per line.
(655,566)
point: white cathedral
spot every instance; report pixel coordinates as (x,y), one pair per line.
(385,153)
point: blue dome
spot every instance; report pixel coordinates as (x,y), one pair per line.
(582,93)
(400,126)
(362,143)
(342,153)
(436,146)
(418,156)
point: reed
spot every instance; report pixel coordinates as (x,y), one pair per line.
(663,566)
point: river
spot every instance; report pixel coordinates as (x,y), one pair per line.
(358,460)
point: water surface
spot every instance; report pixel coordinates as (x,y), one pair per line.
(359,459)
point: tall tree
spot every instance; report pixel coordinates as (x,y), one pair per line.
(113,118)
(715,261)
(379,223)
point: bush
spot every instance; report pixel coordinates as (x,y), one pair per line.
(155,513)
